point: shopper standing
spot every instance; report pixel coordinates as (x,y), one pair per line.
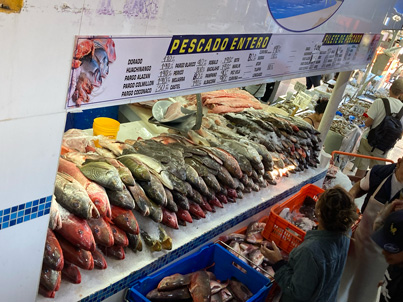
(365,264)
(313,271)
(376,113)
(315,118)
(389,237)
(313,81)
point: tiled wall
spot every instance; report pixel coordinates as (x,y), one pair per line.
(27,211)
(201,240)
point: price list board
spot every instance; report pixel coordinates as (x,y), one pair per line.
(138,68)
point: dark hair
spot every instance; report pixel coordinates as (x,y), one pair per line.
(337,210)
(320,106)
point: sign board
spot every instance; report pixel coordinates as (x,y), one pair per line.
(358,110)
(299,86)
(302,100)
(110,69)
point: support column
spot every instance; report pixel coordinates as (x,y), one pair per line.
(333,104)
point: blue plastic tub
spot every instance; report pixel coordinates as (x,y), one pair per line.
(224,269)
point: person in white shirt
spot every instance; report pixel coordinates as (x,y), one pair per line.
(376,113)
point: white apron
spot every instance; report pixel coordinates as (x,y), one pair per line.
(365,264)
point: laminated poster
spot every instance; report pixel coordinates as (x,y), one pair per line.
(110,70)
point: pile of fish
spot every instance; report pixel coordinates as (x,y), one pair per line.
(172,179)
(227,100)
(199,286)
(246,246)
(304,217)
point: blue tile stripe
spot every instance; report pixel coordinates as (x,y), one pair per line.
(24,212)
(197,242)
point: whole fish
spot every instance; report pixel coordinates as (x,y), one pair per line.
(119,236)
(171,205)
(195,180)
(50,279)
(196,210)
(199,287)
(150,162)
(76,230)
(140,198)
(152,243)
(75,255)
(200,168)
(125,220)
(95,192)
(116,147)
(72,196)
(115,251)
(135,242)
(225,178)
(177,184)
(53,255)
(104,174)
(109,45)
(102,231)
(121,198)
(169,219)
(55,222)
(184,215)
(91,69)
(166,241)
(156,213)
(154,190)
(99,259)
(212,182)
(180,294)
(71,273)
(174,281)
(46,293)
(241,291)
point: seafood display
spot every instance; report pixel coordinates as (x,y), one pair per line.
(304,217)
(201,285)
(102,193)
(90,66)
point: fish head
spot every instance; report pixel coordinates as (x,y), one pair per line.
(91,68)
(103,62)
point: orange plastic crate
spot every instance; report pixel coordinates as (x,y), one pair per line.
(284,234)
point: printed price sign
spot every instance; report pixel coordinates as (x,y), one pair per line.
(302,100)
(299,86)
(358,110)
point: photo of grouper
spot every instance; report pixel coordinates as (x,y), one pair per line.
(90,65)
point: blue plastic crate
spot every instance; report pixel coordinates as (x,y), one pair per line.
(224,269)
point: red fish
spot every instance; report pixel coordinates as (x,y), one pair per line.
(119,236)
(99,259)
(71,273)
(83,48)
(232,193)
(53,255)
(102,231)
(115,251)
(50,279)
(184,215)
(221,197)
(169,218)
(77,256)
(96,193)
(76,231)
(125,220)
(206,206)
(199,287)
(215,202)
(196,210)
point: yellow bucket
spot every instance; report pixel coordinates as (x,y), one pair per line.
(105,126)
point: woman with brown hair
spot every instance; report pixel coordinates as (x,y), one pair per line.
(314,268)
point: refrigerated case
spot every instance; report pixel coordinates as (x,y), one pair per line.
(35,80)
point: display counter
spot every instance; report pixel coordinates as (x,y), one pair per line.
(120,274)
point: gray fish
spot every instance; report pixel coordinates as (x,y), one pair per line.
(229,161)
(171,205)
(154,190)
(139,170)
(72,196)
(200,168)
(212,182)
(178,184)
(135,242)
(156,213)
(90,68)
(181,200)
(195,180)
(140,198)
(197,197)
(104,174)
(207,161)
(121,198)
(225,178)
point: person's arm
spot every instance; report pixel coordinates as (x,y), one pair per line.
(356,190)
(301,280)
(368,122)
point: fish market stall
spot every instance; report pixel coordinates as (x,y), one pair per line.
(67,57)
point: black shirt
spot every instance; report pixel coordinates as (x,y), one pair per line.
(392,289)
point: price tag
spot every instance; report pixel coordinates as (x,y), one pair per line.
(302,100)
(358,110)
(299,86)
